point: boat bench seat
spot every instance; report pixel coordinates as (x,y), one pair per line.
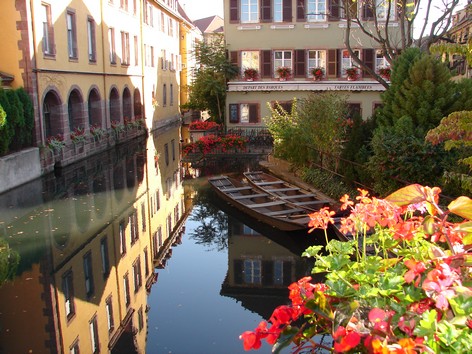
(313,202)
(282,212)
(283,189)
(268,183)
(263,205)
(235,189)
(298,196)
(248,196)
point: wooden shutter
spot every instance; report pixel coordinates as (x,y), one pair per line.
(234,57)
(287,269)
(300,67)
(368,10)
(266,10)
(287,10)
(300,10)
(333,63)
(334,10)
(267,272)
(254,113)
(233,11)
(266,64)
(368,56)
(238,271)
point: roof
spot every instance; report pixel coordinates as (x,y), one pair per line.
(212,24)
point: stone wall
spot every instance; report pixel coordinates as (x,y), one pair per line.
(19,168)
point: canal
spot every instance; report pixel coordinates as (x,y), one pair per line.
(130,251)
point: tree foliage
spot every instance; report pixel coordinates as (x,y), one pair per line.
(393,40)
(208,91)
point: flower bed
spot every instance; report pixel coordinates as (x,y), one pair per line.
(401,285)
(211,143)
(203,125)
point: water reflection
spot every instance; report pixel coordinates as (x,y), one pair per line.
(89,240)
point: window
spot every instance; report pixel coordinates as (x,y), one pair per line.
(158,201)
(249,11)
(105,257)
(133,222)
(171,93)
(125,52)
(140,319)
(136,51)
(74,348)
(146,262)
(71,35)
(48,30)
(111,40)
(138,282)
(166,153)
(380,60)
(122,238)
(172,143)
(347,61)
(316,59)
(282,58)
(316,10)
(249,113)
(381,7)
(93,325)
(109,310)
(88,274)
(143,217)
(164,95)
(148,16)
(163,22)
(92,51)
(68,290)
(124,4)
(249,59)
(278,11)
(126,290)
(252,271)
(278,272)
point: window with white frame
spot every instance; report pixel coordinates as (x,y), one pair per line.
(347,61)
(252,271)
(92,52)
(382,9)
(278,14)
(282,58)
(94,341)
(249,11)
(380,60)
(316,10)
(111,40)
(71,35)
(316,59)
(48,42)
(249,59)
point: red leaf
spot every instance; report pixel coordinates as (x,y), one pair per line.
(411,194)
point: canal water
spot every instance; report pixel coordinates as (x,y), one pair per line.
(131,252)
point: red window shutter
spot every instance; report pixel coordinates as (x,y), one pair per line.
(287,10)
(234,11)
(300,70)
(333,63)
(334,10)
(300,10)
(266,10)
(266,64)
(254,113)
(368,58)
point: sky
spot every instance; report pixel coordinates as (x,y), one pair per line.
(197,9)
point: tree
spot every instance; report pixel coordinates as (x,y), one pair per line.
(371,20)
(208,91)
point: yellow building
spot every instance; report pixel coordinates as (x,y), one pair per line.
(300,35)
(98,71)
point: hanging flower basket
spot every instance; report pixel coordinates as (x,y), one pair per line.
(318,73)
(283,72)
(250,74)
(352,74)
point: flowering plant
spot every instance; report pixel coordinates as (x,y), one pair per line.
(352,73)
(55,143)
(96,131)
(401,284)
(317,73)
(250,74)
(78,135)
(211,143)
(385,72)
(203,125)
(117,127)
(283,72)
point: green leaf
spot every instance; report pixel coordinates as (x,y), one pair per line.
(462,206)
(427,324)
(312,251)
(285,339)
(411,194)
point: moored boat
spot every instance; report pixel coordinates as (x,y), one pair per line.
(260,204)
(285,191)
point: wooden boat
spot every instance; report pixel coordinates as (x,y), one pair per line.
(285,191)
(260,204)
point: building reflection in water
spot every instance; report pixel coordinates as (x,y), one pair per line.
(89,242)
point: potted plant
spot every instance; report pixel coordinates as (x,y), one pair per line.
(352,74)
(55,143)
(318,73)
(250,74)
(385,72)
(78,135)
(283,72)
